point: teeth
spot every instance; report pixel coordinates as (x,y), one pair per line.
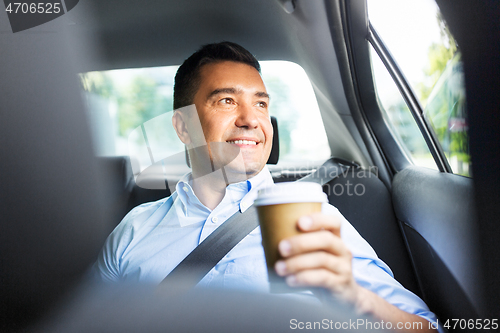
(243,142)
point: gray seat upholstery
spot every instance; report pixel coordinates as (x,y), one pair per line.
(50,190)
(367,204)
(443,242)
(368,207)
(122,192)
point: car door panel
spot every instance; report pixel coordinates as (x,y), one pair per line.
(437,213)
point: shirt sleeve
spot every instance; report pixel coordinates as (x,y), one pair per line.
(373,274)
(107,267)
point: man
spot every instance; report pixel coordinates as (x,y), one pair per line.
(222,117)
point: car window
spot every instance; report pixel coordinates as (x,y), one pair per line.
(131,109)
(430,59)
(399,118)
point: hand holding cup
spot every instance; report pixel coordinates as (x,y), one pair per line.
(279,208)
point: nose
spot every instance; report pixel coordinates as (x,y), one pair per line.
(247,117)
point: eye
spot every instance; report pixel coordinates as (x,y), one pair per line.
(226,101)
(262,104)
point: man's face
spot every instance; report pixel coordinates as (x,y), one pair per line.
(232,104)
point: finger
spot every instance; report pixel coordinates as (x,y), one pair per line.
(314,241)
(320,221)
(323,278)
(314,260)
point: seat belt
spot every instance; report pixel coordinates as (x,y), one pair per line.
(205,256)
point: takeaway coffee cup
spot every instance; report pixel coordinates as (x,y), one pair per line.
(279,208)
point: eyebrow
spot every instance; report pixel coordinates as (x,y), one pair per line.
(234,91)
(262,94)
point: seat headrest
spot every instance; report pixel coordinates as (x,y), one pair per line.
(275,151)
(52,226)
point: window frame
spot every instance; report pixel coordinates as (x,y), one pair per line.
(410,98)
(359,37)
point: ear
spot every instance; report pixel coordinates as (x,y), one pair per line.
(180,127)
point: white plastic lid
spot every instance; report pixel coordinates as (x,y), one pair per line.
(292,192)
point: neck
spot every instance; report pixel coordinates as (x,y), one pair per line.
(210,189)
(209,185)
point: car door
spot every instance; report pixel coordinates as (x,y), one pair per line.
(423,151)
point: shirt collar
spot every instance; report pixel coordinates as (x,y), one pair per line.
(191,203)
(262,180)
(249,187)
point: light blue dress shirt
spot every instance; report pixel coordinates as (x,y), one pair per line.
(155,237)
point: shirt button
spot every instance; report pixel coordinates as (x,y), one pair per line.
(185,189)
(215,219)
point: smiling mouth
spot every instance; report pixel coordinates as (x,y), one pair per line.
(243,142)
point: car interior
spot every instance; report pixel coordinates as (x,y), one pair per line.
(434,227)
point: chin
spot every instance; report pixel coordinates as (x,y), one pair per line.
(242,173)
(254,170)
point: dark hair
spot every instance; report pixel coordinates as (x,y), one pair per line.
(187,79)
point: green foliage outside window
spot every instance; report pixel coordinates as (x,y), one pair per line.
(444,100)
